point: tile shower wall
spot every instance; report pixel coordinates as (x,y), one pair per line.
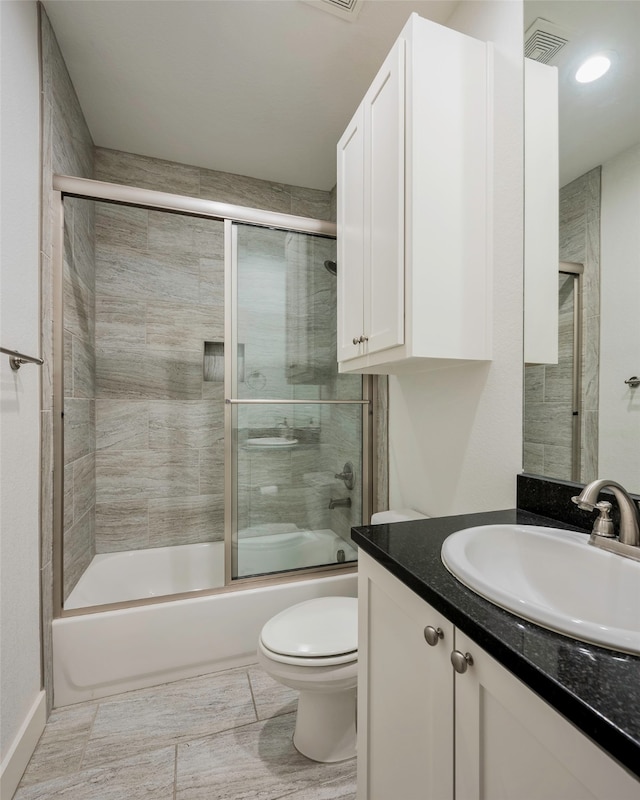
(79,391)
(72,152)
(547,443)
(160,295)
(159,423)
(67,147)
(168,176)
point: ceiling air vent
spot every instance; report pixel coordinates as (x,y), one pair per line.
(543,40)
(345,9)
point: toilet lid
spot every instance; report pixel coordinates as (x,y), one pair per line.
(325,626)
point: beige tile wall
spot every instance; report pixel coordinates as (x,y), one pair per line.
(67,147)
(159,426)
(160,294)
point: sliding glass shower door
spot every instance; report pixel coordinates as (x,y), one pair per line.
(295,427)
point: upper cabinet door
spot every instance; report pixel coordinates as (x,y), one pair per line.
(426,208)
(384,110)
(351,237)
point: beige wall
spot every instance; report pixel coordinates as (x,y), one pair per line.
(456,434)
(22,704)
(619,405)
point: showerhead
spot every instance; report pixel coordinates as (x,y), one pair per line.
(331,267)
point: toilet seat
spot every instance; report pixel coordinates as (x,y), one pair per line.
(318,632)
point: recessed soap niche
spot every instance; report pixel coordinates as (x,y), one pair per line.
(213,362)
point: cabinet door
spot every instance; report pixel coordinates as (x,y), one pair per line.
(405,693)
(351,237)
(510,744)
(384,110)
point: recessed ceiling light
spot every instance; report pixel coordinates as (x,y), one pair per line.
(593,68)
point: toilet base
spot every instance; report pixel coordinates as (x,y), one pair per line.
(326,725)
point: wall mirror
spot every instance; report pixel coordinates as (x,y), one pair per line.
(582,414)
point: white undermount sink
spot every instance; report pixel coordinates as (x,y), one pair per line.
(551,577)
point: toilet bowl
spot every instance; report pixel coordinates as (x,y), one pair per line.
(312,647)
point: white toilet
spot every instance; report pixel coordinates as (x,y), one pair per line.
(313,647)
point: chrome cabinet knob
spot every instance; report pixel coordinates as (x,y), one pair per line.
(433,635)
(364,338)
(356,340)
(461,661)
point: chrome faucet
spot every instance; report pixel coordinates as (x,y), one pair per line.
(628,541)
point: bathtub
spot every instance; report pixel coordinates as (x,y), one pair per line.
(108,652)
(158,571)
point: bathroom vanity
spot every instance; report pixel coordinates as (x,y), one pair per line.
(525,713)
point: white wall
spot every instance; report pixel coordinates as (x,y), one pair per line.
(619,418)
(22,710)
(456,435)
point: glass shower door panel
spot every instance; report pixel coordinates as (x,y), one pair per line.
(143,397)
(293,512)
(286,317)
(296,421)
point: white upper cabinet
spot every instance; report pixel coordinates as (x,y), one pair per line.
(414,211)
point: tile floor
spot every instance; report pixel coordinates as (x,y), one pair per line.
(221,736)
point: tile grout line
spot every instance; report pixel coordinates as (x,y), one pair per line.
(86,742)
(175,772)
(188,738)
(253,698)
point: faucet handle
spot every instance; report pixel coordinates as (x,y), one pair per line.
(347,475)
(603,526)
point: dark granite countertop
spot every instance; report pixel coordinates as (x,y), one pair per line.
(597,689)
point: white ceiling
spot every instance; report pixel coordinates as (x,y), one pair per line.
(266,87)
(598,120)
(256,87)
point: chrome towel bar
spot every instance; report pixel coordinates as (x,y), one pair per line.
(16,359)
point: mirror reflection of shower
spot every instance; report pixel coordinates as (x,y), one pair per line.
(553,397)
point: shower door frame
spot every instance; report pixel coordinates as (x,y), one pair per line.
(88,189)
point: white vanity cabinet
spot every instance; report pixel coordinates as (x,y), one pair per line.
(428,732)
(405,692)
(414,277)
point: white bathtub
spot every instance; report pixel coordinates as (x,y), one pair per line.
(136,574)
(96,655)
(158,571)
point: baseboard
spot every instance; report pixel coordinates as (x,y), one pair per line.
(16,760)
